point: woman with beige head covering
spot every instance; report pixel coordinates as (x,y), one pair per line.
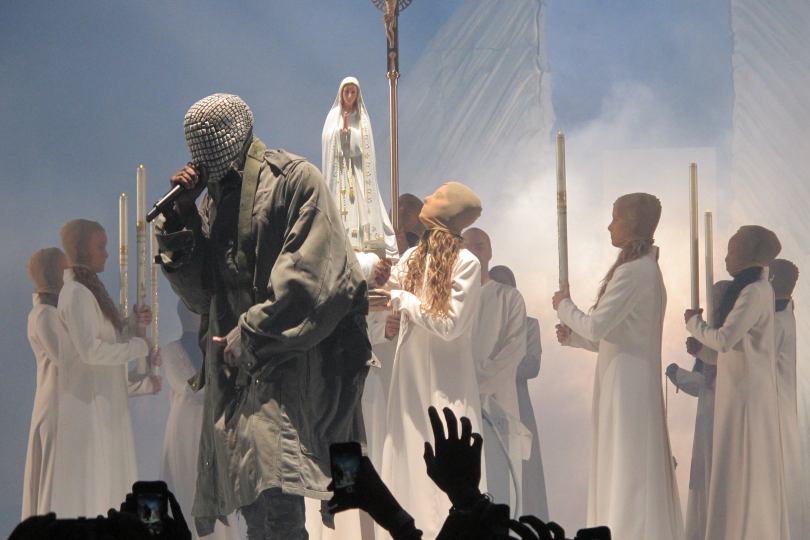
(632,487)
(45,269)
(436,286)
(95,459)
(747,497)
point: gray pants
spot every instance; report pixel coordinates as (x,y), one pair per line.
(276,516)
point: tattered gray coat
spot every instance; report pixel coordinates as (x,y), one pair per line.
(302,346)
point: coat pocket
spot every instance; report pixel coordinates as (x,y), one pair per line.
(266,442)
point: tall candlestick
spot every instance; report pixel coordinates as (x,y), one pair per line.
(153,252)
(142,366)
(562,211)
(709,269)
(694,231)
(123,256)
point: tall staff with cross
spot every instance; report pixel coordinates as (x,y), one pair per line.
(392,8)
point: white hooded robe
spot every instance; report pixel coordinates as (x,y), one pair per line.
(433,366)
(95,459)
(43,335)
(632,486)
(747,490)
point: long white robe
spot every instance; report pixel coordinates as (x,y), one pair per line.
(785,327)
(499,345)
(95,459)
(181,440)
(747,490)
(433,366)
(43,335)
(693,383)
(632,486)
(535,501)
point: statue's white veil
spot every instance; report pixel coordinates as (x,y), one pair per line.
(381,233)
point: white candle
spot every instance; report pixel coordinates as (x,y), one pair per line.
(709,313)
(142,367)
(155,282)
(123,256)
(694,231)
(562,211)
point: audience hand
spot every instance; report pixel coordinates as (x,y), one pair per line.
(689,313)
(174,528)
(392,324)
(370,495)
(693,346)
(538,530)
(383,272)
(456,465)
(559,296)
(563,333)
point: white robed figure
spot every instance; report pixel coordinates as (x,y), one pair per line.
(182,359)
(499,337)
(747,489)
(632,487)
(699,383)
(95,451)
(436,288)
(45,268)
(784,275)
(350,169)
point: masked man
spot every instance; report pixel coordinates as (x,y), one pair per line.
(266,263)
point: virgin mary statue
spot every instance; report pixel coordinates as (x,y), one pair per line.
(350,169)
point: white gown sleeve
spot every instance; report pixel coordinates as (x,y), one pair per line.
(368,264)
(47,324)
(614,306)
(689,381)
(579,342)
(463,302)
(82,326)
(490,371)
(529,367)
(742,318)
(376,327)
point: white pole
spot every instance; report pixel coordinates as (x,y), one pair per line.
(562,211)
(142,366)
(709,269)
(694,231)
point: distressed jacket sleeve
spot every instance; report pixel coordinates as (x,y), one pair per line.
(314,282)
(743,317)
(615,305)
(185,257)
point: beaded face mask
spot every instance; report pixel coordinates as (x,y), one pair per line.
(216,129)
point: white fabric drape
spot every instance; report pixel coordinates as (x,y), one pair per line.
(632,486)
(43,335)
(747,490)
(95,459)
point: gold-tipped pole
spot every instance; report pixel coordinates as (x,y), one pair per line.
(123,256)
(155,283)
(709,269)
(142,365)
(694,232)
(562,211)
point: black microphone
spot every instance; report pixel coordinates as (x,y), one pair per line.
(164,203)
